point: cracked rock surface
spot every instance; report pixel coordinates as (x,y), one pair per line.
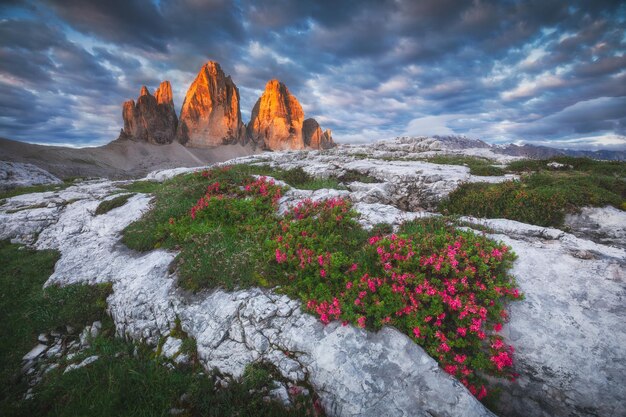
(568,331)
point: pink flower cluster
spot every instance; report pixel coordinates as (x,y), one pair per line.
(265,188)
(445,290)
(327,311)
(307,207)
(260,187)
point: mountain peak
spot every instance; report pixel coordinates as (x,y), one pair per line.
(211,115)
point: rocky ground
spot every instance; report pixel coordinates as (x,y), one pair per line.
(120,159)
(568,331)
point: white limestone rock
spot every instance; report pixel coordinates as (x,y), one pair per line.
(601,224)
(35,352)
(83,363)
(171,347)
(568,332)
(18,174)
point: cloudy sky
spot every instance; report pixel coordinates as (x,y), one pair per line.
(544,72)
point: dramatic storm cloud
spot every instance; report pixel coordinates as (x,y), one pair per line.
(545,72)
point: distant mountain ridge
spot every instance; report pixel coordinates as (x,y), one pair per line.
(530,151)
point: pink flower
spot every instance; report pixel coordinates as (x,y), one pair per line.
(497,327)
(460,358)
(451,369)
(361,321)
(497,344)
(482,393)
(322,273)
(348,285)
(501,360)
(462,331)
(416,331)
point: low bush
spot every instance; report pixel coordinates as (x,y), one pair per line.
(442,287)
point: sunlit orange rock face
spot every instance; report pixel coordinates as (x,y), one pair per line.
(151,119)
(314,137)
(277,119)
(211,115)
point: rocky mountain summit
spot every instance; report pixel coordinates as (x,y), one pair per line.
(277,119)
(314,137)
(211,116)
(278,122)
(153,118)
(569,340)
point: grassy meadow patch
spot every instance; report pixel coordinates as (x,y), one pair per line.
(131,381)
(112,203)
(28,309)
(544,195)
(37,188)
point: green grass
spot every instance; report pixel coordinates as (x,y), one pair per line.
(352,175)
(542,198)
(222,249)
(586,165)
(120,382)
(222,257)
(40,188)
(26,310)
(33,189)
(108,205)
(144,187)
(295,177)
